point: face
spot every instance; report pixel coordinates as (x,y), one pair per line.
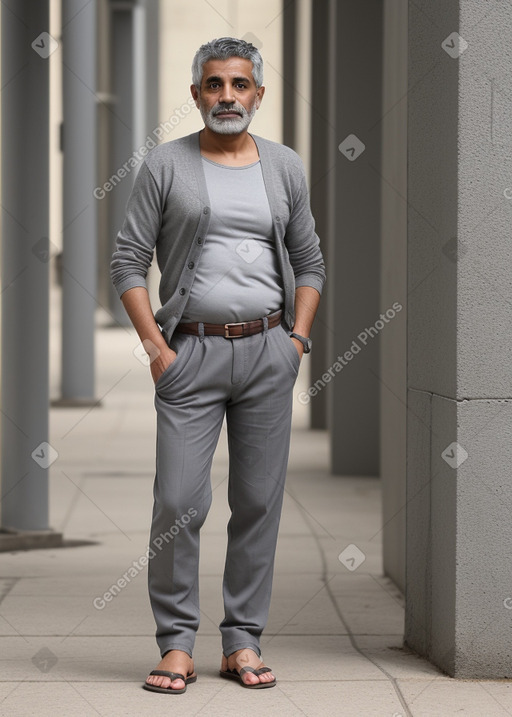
(228,98)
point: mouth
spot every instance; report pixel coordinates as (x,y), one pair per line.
(228,114)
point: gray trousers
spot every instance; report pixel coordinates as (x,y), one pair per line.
(250,381)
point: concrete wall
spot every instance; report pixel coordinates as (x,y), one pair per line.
(393,276)
(459,448)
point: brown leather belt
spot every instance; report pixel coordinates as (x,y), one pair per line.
(231,331)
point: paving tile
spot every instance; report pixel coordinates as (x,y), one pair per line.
(301,605)
(369,604)
(95,658)
(63,615)
(344,699)
(444,696)
(389,653)
(320,657)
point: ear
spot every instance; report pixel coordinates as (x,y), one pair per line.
(195,94)
(259,96)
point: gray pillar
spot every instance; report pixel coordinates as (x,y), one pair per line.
(289,65)
(25,255)
(393,355)
(354,259)
(79,258)
(151,81)
(134,76)
(122,140)
(105,110)
(459,532)
(323,148)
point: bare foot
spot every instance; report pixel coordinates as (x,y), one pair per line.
(247,658)
(172,661)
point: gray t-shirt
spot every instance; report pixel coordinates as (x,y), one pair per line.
(237,278)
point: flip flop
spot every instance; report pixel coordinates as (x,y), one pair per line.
(192,677)
(236,675)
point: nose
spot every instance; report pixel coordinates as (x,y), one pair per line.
(226,95)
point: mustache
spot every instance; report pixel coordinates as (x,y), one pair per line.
(229,110)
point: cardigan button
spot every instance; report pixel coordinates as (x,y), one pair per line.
(191,265)
(206,210)
(278,219)
(199,240)
(183,291)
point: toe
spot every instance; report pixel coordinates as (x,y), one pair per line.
(250,679)
(177,684)
(165,682)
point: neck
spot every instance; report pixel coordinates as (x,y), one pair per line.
(232,144)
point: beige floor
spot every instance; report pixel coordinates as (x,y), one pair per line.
(333,636)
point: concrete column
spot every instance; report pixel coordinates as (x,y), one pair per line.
(323,156)
(79,258)
(134,78)
(393,365)
(26,455)
(459,426)
(122,140)
(152,53)
(302,82)
(106,108)
(354,262)
(289,66)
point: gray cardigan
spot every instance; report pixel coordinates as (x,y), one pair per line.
(169,210)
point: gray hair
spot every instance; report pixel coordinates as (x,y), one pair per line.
(222,49)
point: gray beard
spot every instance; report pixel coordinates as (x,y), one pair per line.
(233,125)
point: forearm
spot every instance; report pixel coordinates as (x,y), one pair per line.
(138,307)
(306,305)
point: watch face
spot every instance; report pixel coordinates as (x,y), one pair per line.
(306,342)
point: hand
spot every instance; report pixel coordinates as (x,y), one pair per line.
(299,346)
(164,359)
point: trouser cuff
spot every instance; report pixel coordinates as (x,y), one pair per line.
(176,646)
(227,651)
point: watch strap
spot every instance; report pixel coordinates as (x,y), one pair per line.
(305,341)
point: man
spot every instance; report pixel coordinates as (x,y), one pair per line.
(242,273)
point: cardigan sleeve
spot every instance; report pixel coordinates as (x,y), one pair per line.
(301,240)
(136,240)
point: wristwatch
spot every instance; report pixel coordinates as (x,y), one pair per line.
(306,342)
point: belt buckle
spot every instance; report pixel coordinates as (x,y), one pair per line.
(227,327)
